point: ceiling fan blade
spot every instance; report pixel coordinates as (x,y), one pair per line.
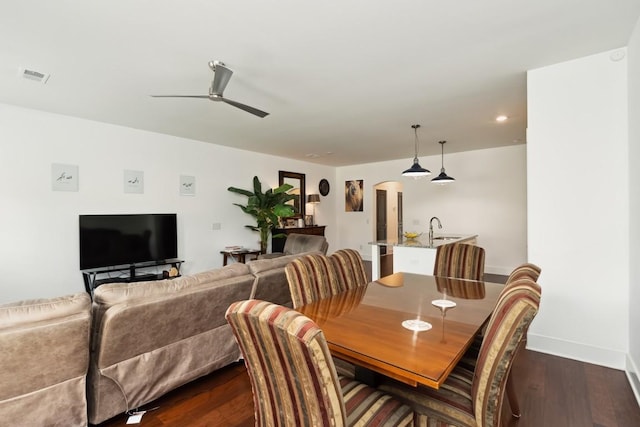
(221,77)
(179,96)
(246,108)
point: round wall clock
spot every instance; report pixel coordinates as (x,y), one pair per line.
(324,187)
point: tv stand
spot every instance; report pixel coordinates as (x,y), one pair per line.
(91,280)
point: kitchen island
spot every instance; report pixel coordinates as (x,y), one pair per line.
(414,255)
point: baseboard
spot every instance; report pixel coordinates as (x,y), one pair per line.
(632,376)
(577,351)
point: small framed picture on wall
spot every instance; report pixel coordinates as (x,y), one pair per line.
(187,185)
(133,182)
(64,177)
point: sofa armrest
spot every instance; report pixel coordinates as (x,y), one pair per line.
(44,361)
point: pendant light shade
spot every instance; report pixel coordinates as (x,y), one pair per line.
(416,171)
(443,178)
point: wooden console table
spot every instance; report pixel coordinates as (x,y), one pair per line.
(277,244)
(238,255)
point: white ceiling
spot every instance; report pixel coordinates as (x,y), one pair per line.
(342,80)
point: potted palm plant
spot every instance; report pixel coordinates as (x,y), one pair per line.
(265,207)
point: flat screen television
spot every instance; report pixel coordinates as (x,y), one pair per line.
(111,240)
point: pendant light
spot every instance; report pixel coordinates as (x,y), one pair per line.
(416,171)
(443,178)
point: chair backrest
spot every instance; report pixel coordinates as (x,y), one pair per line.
(292,375)
(349,268)
(459,260)
(311,277)
(301,243)
(516,307)
(526,270)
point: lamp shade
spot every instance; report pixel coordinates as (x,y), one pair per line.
(416,171)
(313,198)
(443,178)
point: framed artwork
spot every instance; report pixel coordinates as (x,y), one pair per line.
(187,185)
(133,182)
(64,177)
(353,195)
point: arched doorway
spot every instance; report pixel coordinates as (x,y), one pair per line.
(388,224)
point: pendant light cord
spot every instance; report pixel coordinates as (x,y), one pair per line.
(415,131)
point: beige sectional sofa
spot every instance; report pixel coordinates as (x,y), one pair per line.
(44,356)
(151,337)
(67,361)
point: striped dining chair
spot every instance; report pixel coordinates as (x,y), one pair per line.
(293,378)
(459,260)
(311,277)
(524,271)
(349,268)
(473,397)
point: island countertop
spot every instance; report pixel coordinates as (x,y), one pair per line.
(423,241)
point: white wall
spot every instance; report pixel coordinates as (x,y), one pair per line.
(633,363)
(39,227)
(488,198)
(578,228)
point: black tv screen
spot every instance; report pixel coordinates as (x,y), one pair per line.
(110,240)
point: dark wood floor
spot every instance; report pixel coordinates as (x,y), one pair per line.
(552,391)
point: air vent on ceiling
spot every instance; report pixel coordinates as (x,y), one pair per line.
(34,75)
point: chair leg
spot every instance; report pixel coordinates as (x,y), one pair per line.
(513,399)
(510,388)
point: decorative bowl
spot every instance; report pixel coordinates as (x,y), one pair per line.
(412,235)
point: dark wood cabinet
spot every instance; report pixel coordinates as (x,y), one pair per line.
(277,243)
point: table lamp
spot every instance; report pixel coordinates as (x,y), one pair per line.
(314,199)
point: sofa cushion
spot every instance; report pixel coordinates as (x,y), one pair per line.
(37,310)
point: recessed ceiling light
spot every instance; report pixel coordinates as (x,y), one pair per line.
(501,119)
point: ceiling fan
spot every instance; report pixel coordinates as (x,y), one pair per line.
(221,76)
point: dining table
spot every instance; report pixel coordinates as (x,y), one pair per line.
(411,327)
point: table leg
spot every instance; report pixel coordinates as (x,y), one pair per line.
(367,376)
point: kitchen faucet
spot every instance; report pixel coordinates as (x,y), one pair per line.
(431,229)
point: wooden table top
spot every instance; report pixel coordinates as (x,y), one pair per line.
(364,325)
